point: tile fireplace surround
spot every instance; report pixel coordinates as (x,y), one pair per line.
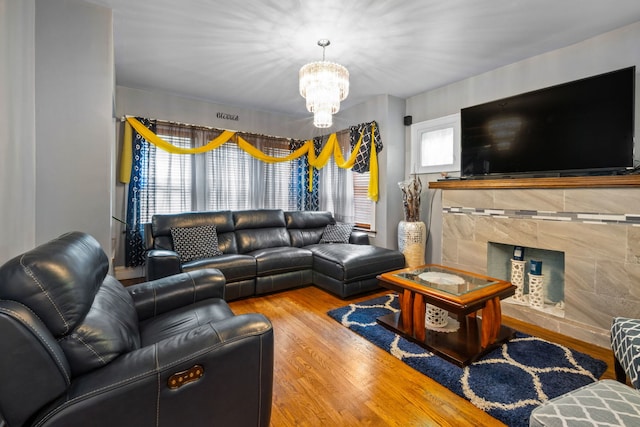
(594,221)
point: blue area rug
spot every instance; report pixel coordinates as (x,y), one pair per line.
(507,383)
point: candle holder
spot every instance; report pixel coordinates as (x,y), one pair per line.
(517,278)
(536,290)
(435,316)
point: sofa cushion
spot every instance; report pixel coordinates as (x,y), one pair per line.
(281,260)
(306,227)
(260,238)
(348,262)
(234,266)
(308,219)
(258,218)
(337,233)
(305,237)
(259,229)
(193,243)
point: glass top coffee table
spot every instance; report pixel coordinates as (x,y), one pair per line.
(461,294)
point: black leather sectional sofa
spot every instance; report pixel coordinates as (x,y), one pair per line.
(271,250)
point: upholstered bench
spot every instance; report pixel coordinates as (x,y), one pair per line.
(625,343)
(603,403)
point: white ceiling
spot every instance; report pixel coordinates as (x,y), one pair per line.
(247,53)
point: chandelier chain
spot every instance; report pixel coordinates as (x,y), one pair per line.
(323,43)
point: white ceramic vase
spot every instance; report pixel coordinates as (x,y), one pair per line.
(412,236)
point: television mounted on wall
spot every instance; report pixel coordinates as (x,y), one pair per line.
(584,127)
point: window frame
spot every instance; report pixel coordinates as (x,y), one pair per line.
(419,129)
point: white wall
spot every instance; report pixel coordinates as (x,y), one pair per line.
(607,52)
(75,142)
(388,111)
(17,127)
(165,106)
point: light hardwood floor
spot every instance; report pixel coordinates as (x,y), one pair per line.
(326,375)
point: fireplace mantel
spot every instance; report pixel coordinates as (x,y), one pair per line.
(617,181)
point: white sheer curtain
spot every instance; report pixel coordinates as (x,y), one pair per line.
(229,178)
(169,186)
(235,180)
(336,186)
(271,181)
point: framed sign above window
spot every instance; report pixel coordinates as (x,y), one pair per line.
(435,145)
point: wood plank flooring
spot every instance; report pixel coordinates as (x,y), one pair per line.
(326,375)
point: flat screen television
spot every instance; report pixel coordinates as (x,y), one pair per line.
(578,128)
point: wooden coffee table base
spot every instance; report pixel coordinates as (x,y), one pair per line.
(462,297)
(461,347)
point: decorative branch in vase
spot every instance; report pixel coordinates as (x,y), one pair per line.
(411,190)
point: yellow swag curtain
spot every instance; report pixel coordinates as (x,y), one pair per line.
(331,148)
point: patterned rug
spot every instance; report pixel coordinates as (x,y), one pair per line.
(507,383)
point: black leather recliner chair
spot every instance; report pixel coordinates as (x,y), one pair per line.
(77,348)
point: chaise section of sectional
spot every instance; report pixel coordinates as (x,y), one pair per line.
(347,270)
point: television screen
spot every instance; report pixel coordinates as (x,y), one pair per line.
(581,127)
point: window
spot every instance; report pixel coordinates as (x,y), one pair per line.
(169,189)
(235,180)
(435,145)
(228,171)
(363,206)
(229,178)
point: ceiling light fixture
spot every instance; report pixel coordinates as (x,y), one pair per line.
(323,84)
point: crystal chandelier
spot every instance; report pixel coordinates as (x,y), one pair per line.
(323,84)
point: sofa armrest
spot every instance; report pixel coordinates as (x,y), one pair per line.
(359,238)
(148,235)
(236,355)
(162,263)
(162,295)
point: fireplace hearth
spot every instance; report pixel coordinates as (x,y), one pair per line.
(589,238)
(501,264)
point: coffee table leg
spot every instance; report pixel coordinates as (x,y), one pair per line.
(406,311)
(419,312)
(491,322)
(497,320)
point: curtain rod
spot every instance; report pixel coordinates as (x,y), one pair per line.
(124,118)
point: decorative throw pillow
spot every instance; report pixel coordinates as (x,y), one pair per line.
(193,243)
(336,233)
